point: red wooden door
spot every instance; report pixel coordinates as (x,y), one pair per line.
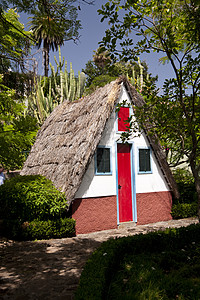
(124,183)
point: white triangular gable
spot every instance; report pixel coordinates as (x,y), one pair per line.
(106,185)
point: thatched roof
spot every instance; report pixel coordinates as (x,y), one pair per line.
(69,137)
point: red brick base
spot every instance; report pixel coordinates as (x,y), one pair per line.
(96,214)
(153,207)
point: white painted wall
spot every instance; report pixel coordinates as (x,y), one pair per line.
(105,185)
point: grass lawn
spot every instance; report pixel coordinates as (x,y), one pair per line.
(166,275)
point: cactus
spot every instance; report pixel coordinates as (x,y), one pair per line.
(138,81)
(62,85)
(132,80)
(71,94)
(141,75)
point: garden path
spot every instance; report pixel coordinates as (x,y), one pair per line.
(50,269)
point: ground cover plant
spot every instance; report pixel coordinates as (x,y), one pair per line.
(162,265)
(32,208)
(165,275)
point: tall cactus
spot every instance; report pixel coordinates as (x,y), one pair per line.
(141,74)
(62,85)
(133,77)
(139,80)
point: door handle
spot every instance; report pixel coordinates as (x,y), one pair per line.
(119,186)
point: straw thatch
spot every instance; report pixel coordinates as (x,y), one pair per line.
(69,137)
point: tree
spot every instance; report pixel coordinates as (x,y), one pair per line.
(17,130)
(52,31)
(15,43)
(169,27)
(30,6)
(53,22)
(14,51)
(192,10)
(102,67)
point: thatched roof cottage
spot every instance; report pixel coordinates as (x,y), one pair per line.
(105,181)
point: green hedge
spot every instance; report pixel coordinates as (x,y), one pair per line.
(97,274)
(26,198)
(37,229)
(184,210)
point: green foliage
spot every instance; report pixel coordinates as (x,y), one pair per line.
(25,198)
(184,210)
(186,186)
(155,27)
(166,275)
(17,131)
(15,43)
(192,13)
(32,208)
(99,81)
(186,206)
(136,72)
(52,30)
(50,92)
(168,27)
(52,22)
(183,175)
(37,229)
(20,82)
(59,9)
(145,263)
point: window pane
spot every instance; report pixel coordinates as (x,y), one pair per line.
(103,160)
(144,160)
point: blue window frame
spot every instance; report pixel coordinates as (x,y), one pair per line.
(144,160)
(103,161)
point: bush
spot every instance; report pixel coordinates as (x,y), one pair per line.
(37,229)
(32,208)
(105,261)
(184,210)
(26,198)
(186,206)
(186,186)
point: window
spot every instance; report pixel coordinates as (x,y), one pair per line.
(103,161)
(144,160)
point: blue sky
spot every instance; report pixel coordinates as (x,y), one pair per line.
(92,32)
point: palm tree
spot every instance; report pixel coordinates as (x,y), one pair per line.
(101,59)
(53,30)
(48,31)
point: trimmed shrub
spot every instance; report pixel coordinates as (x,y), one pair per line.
(184,210)
(26,198)
(103,263)
(32,208)
(37,229)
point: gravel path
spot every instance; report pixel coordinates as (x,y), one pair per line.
(50,269)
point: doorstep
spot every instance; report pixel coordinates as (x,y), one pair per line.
(126,225)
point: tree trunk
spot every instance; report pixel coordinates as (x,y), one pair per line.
(46,58)
(197,184)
